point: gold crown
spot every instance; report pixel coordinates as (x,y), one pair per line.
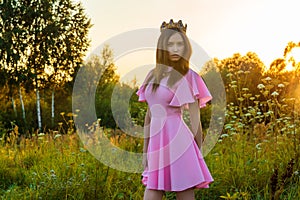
(172,24)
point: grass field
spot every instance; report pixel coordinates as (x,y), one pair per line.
(58,166)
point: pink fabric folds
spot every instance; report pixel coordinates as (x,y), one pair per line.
(175,162)
(191,87)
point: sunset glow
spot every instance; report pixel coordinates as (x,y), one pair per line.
(222,28)
(294,55)
(289,67)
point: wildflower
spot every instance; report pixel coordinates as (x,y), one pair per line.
(270,112)
(283,129)
(292,126)
(57,136)
(247,95)
(265,93)
(260,86)
(268,78)
(258,146)
(228,126)
(275,94)
(281,85)
(41,134)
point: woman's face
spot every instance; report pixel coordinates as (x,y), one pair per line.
(175,47)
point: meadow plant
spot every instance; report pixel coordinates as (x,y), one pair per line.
(263,124)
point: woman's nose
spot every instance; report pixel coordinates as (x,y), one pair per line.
(175,48)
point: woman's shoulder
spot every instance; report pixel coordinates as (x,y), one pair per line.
(192,74)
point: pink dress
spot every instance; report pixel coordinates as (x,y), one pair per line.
(175,162)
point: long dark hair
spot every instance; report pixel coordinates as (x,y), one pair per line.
(180,68)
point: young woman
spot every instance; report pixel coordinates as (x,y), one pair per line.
(173,161)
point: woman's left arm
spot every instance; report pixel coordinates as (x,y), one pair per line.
(196,126)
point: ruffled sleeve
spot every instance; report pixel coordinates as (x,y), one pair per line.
(142,89)
(191,88)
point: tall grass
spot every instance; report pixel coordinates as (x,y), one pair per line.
(53,166)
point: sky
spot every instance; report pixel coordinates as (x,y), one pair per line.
(220,27)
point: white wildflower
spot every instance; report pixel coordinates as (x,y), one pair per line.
(275,93)
(258,146)
(261,86)
(247,114)
(281,85)
(268,78)
(57,136)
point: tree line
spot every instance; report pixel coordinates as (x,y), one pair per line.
(42,45)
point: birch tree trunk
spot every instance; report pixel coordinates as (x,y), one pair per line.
(22,105)
(14,106)
(52,108)
(38,109)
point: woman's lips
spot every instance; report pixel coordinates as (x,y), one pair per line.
(175,56)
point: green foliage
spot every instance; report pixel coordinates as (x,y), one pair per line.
(56,166)
(41,46)
(261,129)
